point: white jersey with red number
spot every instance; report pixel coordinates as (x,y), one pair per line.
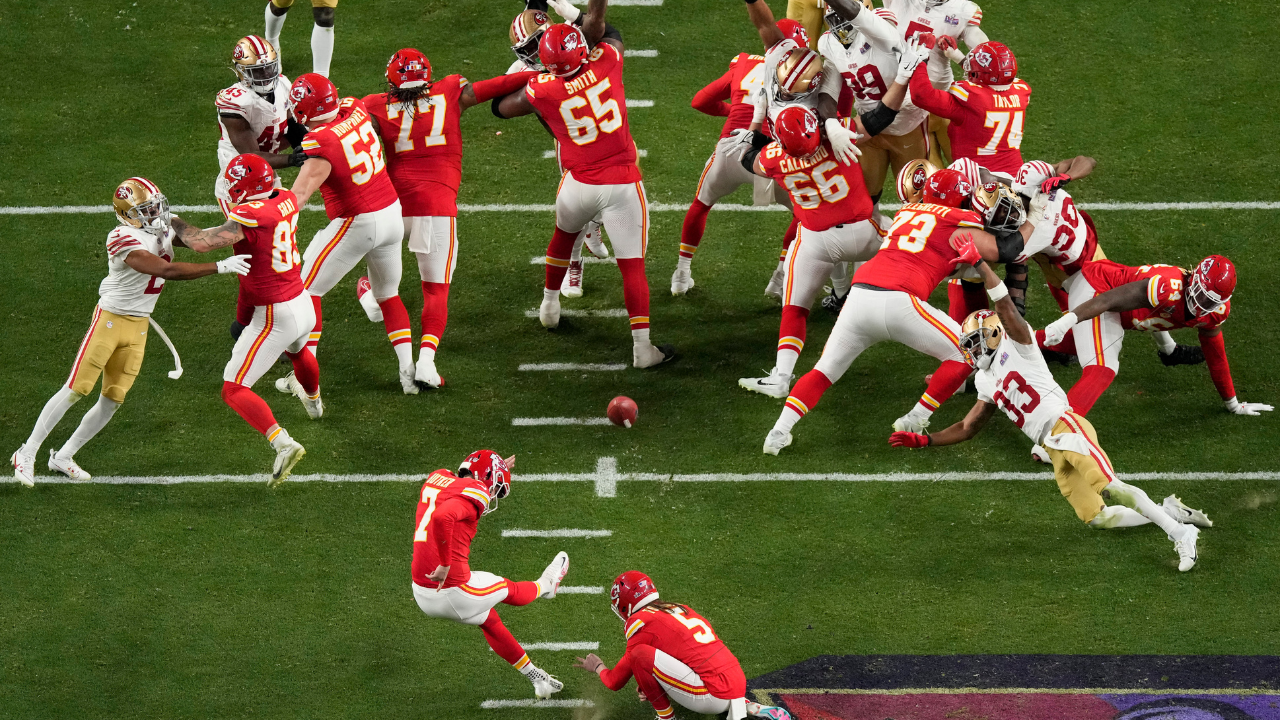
(1019,383)
(268,119)
(825,193)
(125,291)
(358,181)
(1062,235)
(960,19)
(869,66)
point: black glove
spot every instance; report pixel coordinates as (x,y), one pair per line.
(296,159)
(1182,355)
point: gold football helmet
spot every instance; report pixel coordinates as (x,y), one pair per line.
(255,62)
(1000,206)
(526,35)
(799,74)
(139,203)
(911,179)
(980,335)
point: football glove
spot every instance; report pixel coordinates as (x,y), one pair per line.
(1240,408)
(909,440)
(1055,331)
(843,141)
(238,264)
(913,55)
(968,252)
(1055,182)
(565,9)
(296,159)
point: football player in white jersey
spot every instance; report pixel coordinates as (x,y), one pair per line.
(139,261)
(1012,377)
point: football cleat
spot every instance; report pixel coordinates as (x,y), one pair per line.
(370,304)
(1182,355)
(776,281)
(24,466)
(553,575)
(1040,455)
(288,453)
(771,712)
(833,303)
(681,281)
(425,373)
(407,380)
(69,467)
(650,355)
(549,313)
(906,423)
(1186,547)
(776,384)
(595,241)
(544,685)
(282,384)
(314,406)
(1185,515)
(572,285)
(775,441)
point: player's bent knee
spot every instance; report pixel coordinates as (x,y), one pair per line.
(323,16)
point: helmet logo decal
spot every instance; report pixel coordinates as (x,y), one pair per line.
(238,171)
(810,123)
(124,192)
(918,177)
(572,41)
(983,58)
(297,93)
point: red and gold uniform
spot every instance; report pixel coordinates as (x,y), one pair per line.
(986,122)
(917,253)
(424,147)
(744,76)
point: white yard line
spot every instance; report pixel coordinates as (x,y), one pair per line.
(549,154)
(558,533)
(639,103)
(541,421)
(635,3)
(580,590)
(571,367)
(565,312)
(639,53)
(588,259)
(504,704)
(558,646)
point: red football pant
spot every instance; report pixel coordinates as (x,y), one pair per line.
(695,225)
(435,313)
(1094,380)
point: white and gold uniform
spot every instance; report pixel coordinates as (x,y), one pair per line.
(268,121)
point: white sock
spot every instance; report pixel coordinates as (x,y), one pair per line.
(274,24)
(281,438)
(426,354)
(529,669)
(1164,342)
(1118,516)
(404,354)
(919,412)
(840,279)
(640,337)
(576,255)
(321,49)
(90,425)
(551,295)
(51,415)
(1127,494)
(786,362)
(684,263)
(787,419)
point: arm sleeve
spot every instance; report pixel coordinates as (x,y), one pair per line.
(878,31)
(710,100)
(443,520)
(1215,356)
(972,36)
(500,86)
(616,677)
(926,97)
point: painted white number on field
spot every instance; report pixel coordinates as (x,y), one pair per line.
(1010,122)
(831,188)
(364,162)
(429,497)
(703,635)
(435,105)
(914,241)
(605,116)
(752,82)
(284,245)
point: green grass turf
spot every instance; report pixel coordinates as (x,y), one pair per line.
(296,603)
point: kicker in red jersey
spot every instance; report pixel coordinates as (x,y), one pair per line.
(359,182)
(687,636)
(588,117)
(449,509)
(825,192)
(917,253)
(424,147)
(1166,285)
(270,238)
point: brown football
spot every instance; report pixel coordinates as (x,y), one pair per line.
(622,411)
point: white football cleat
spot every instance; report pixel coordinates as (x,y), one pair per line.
(364,293)
(283,385)
(776,282)
(1040,455)
(681,281)
(595,242)
(24,466)
(313,406)
(1185,515)
(406,381)
(906,423)
(425,372)
(549,313)
(650,355)
(572,285)
(776,384)
(775,441)
(288,453)
(554,575)
(544,686)
(1186,547)
(67,467)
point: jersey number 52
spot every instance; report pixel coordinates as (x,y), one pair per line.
(364,153)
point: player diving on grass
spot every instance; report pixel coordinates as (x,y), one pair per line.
(1014,378)
(674,654)
(139,261)
(449,509)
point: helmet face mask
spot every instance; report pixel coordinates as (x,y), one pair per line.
(981,334)
(631,591)
(489,468)
(256,64)
(1211,285)
(799,75)
(843,29)
(1001,207)
(526,36)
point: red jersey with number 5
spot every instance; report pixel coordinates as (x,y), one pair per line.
(986,124)
(270,239)
(917,252)
(424,147)
(688,637)
(587,114)
(358,182)
(824,192)
(1165,287)
(449,508)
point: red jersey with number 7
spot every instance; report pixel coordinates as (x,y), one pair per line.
(688,637)
(824,192)
(986,123)
(449,509)
(424,147)
(270,240)
(587,114)
(358,182)
(917,252)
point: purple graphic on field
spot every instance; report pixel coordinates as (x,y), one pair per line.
(1196,707)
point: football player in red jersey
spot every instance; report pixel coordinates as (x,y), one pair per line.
(582,101)
(419,121)
(674,654)
(834,208)
(344,161)
(889,298)
(987,109)
(449,509)
(1108,298)
(264,224)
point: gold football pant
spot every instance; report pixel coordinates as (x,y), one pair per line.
(113,348)
(880,152)
(939,142)
(1081,477)
(809,14)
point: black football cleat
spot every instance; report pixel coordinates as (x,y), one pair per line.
(1182,355)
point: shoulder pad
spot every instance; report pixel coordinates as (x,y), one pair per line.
(888,16)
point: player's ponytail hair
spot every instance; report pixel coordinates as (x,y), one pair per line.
(407,97)
(667,607)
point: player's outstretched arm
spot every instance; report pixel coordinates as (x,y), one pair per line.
(483,91)
(1130,296)
(593,25)
(1215,356)
(1017,328)
(515,105)
(242,139)
(970,426)
(312,175)
(149,264)
(711,100)
(613,678)
(202,241)
(1068,170)
(762,17)
(926,97)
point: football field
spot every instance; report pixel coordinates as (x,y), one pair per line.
(180,586)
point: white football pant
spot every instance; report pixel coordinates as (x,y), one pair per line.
(374,237)
(468,603)
(434,241)
(622,209)
(871,316)
(282,327)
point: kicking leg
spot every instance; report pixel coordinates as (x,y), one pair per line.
(505,645)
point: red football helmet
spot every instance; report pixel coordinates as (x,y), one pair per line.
(408,68)
(793,30)
(797,131)
(489,468)
(991,63)
(1211,286)
(631,591)
(947,187)
(563,50)
(249,177)
(313,98)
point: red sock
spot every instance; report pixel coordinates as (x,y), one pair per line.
(558,252)
(789,236)
(695,224)
(396,320)
(1059,295)
(955,301)
(435,313)
(521,593)
(635,291)
(948,378)
(250,407)
(1092,383)
(315,332)
(808,391)
(502,641)
(244,310)
(792,328)
(307,370)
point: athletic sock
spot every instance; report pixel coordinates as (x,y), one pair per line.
(635,295)
(313,344)
(948,378)
(51,415)
(522,592)
(396,320)
(1134,497)
(695,225)
(1164,342)
(306,370)
(249,406)
(1094,380)
(841,278)
(435,315)
(791,333)
(804,397)
(321,49)
(558,252)
(789,236)
(90,425)
(504,643)
(1059,296)
(274,24)
(1118,516)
